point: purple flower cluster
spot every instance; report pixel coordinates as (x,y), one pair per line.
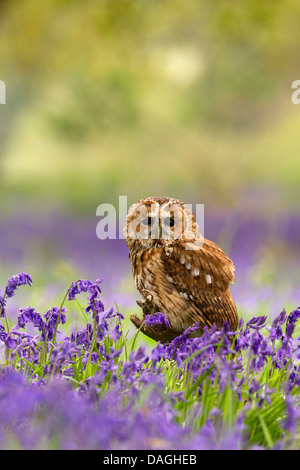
(39,416)
(121,398)
(77,287)
(54,316)
(95,307)
(29,314)
(294,316)
(157,319)
(45,325)
(2,305)
(14,282)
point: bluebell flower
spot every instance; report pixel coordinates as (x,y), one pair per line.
(294,315)
(77,287)
(15,281)
(2,304)
(257,322)
(3,334)
(157,319)
(29,314)
(2,300)
(52,319)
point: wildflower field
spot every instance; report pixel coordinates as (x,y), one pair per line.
(197,101)
(76,375)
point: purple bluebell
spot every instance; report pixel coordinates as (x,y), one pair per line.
(15,281)
(3,334)
(294,315)
(51,318)
(157,319)
(28,314)
(257,322)
(77,287)
(2,305)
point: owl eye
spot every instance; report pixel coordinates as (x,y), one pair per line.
(147,221)
(169,222)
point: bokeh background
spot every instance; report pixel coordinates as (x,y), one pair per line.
(145,97)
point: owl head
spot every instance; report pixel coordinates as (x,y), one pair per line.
(160,221)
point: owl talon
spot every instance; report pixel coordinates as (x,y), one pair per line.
(148,307)
(140,303)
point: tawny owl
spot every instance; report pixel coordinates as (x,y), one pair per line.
(176,270)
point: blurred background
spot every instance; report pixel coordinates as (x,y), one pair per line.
(133,97)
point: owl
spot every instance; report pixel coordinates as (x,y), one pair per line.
(176,270)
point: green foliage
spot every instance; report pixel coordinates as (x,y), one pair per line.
(198,93)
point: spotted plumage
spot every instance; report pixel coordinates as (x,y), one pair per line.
(176,270)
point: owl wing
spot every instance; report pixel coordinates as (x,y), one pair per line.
(202,276)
